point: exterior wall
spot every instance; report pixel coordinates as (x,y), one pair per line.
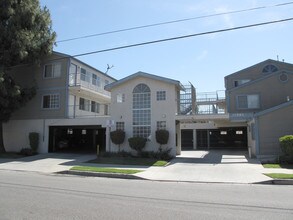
(160,111)
(34,76)
(16,132)
(268,97)
(272,126)
(254,72)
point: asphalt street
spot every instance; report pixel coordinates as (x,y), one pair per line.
(29,195)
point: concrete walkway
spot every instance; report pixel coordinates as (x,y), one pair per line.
(191,166)
(209,166)
(45,163)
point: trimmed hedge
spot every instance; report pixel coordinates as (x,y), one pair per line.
(117,137)
(162,137)
(286,144)
(137,143)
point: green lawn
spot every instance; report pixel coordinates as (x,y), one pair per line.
(129,161)
(10,155)
(105,170)
(279,175)
(276,165)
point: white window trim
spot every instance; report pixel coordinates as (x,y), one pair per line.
(50,94)
(53,75)
(247,108)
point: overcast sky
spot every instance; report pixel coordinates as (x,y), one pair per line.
(202,60)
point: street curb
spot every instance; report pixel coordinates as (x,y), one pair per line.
(99,174)
(130,176)
(278,182)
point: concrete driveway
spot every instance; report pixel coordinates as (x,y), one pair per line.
(45,163)
(209,166)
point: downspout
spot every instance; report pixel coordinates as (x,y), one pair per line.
(256,130)
(67,89)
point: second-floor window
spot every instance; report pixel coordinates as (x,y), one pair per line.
(248,101)
(120,125)
(161,95)
(52,70)
(120,98)
(95,107)
(51,101)
(84,104)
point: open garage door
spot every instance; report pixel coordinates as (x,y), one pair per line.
(77,139)
(224,138)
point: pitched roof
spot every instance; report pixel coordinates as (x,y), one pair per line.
(146,75)
(71,57)
(275,108)
(268,61)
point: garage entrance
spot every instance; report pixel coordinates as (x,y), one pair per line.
(224,138)
(77,139)
(187,139)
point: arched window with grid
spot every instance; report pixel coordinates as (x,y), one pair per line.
(141,111)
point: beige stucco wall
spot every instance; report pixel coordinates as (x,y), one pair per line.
(271,90)
(160,111)
(16,132)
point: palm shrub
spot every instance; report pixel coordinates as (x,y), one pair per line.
(117,137)
(162,137)
(137,143)
(286,144)
(34,140)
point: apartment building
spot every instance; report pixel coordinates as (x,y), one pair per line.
(253,112)
(261,95)
(143,103)
(77,106)
(70,110)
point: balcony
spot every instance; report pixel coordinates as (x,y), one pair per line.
(88,111)
(86,85)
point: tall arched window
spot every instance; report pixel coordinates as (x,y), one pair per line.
(141,111)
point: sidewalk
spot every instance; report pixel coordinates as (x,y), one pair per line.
(191,166)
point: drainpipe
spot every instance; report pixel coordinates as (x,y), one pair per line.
(256,130)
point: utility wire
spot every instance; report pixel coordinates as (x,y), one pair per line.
(167,39)
(173,21)
(184,36)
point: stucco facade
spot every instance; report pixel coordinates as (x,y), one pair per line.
(161,110)
(69,94)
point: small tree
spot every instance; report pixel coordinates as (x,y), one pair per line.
(26,36)
(34,141)
(162,137)
(137,143)
(117,137)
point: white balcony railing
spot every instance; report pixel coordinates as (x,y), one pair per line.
(88,82)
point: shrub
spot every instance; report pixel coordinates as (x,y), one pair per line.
(117,137)
(137,143)
(161,155)
(115,154)
(162,137)
(286,144)
(26,152)
(34,140)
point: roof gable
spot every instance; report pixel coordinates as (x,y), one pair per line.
(262,64)
(109,87)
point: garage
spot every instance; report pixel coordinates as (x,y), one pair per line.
(223,138)
(77,139)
